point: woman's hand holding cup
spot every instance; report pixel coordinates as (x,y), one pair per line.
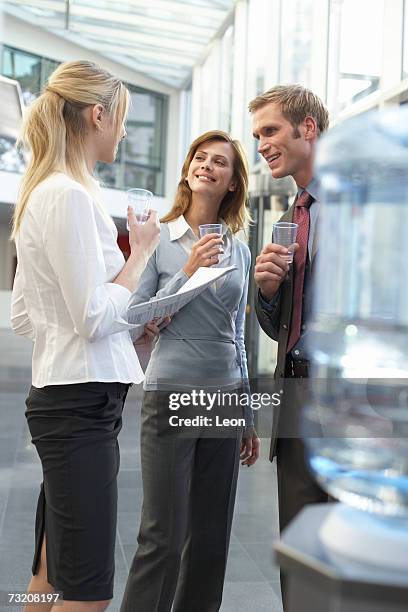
(204,253)
(143,238)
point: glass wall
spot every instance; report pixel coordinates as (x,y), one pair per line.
(227,51)
(212,88)
(296,41)
(261,61)
(259,46)
(342,49)
(141,157)
(355,50)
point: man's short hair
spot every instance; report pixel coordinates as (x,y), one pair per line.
(296,103)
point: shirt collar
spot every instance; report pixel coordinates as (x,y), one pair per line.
(312,188)
(178,227)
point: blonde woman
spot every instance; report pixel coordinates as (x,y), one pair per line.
(189,476)
(70,297)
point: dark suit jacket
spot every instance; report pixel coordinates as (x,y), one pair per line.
(276,324)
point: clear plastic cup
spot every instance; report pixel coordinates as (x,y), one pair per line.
(285,234)
(140,201)
(210,228)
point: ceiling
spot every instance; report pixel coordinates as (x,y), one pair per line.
(163,39)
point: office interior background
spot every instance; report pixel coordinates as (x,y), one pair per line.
(192,66)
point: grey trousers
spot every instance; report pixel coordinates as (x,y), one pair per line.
(189,487)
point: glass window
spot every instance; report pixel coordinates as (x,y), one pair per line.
(140,145)
(141,157)
(296,41)
(31,71)
(259,46)
(260,56)
(47,68)
(11,159)
(26,69)
(355,50)
(185,119)
(7,65)
(227,50)
(210,89)
(146,178)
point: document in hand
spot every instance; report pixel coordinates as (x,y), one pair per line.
(157,308)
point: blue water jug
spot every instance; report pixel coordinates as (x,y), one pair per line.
(356,427)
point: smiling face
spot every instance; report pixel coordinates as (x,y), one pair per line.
(288,150)
(211,170)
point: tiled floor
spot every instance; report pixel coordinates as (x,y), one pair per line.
(252,581)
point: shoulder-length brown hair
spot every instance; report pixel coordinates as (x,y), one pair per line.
(233,209)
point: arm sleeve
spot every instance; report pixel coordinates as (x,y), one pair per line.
(72,244)
(20,321)
(268,314)
(271,305)
(173,285)
(240,342)
(147,288)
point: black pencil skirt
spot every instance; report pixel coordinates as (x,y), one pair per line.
(74,429)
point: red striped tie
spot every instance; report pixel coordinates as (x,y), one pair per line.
(301,216)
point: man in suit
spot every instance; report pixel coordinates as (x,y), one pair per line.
(287,122)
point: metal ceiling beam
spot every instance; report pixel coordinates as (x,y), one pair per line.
(72,10)
(173,44)
(157,70)
(171,7)
(67,11)
(124,60)
(173,82)
(183,8)
(142,51)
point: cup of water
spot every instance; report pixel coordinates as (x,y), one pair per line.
(140,202)
(210,228)
(285,234)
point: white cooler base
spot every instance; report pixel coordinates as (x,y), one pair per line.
(355,539)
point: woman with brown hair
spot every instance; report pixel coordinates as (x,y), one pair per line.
(190,475)
(70,297)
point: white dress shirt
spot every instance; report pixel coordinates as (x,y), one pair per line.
(63,295)
(180,230)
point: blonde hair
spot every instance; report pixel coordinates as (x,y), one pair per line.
(296,103)
(54,127)
(233,209)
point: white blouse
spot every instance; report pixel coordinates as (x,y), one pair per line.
(63,295)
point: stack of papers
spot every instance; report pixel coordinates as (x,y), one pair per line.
(158,308)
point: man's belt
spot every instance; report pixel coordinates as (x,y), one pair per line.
(297,368)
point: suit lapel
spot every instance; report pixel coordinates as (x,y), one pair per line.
(315,242)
